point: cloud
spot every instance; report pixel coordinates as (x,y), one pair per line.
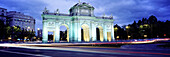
(127,11)
(123,11)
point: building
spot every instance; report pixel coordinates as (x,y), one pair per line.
(39,33)
(81,24)
(19,19)
(3,14)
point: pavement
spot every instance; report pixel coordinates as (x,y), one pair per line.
(77,51)
(74,50)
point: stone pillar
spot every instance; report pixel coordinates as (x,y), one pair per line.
(45,32)
(70,32)
(75,31)
(105,32)
(93,32)
(90,31)
(79,32)
(57,33)
(112,32)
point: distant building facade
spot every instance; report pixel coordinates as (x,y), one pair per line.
(19,19)
(3,15)
(39,33)
(14,18)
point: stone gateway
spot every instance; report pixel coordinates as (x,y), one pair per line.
(82,25)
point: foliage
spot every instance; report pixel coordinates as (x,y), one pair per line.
(15,32)
(145,28)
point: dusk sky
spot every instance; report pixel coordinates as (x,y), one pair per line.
(124,11)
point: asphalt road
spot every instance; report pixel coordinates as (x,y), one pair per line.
(78,51)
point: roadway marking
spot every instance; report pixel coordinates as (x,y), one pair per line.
(24,53)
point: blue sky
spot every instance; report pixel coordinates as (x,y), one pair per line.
(124,11)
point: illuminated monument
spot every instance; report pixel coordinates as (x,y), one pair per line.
(81,24)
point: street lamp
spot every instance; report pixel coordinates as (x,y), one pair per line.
(145,35)
(116,30)
(128,36)
(127,29)
(38,28)
(9,38)
(117,37)
(141,26)
(146,25)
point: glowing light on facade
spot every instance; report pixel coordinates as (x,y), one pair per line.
(109,36)
(86,33)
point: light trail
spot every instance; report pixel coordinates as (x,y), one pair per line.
(135,52)
(29,46)
(90,50)
(74,44)
(37,55)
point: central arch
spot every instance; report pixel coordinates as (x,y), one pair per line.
(99,33)
(67,32)
(85,33)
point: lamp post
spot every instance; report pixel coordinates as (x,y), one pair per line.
(116,31)
(127,29)
(9,38)
(38,32)
(38,28)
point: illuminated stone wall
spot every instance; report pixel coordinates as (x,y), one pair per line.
(75,21)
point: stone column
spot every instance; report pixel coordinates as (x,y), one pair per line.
(71,31)
(79,31)
(105,32)
(93,32)
(75,31)
(112,32)
(45,32)
(57,33)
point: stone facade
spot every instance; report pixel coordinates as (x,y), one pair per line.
(14,18)
(39,33)
(21,20)
(3,14)
(81,17)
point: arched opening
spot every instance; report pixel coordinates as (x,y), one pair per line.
(64,33)
(99,33)
(109,36)
(51,36)
(85,33)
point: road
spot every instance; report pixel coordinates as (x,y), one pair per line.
(79,51)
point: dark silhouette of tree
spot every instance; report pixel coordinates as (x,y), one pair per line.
(119,32)
(145,28)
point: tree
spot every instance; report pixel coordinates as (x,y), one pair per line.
(119,32)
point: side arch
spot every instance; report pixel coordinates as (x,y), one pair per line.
(100,33)
(67,31)
(85,33)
